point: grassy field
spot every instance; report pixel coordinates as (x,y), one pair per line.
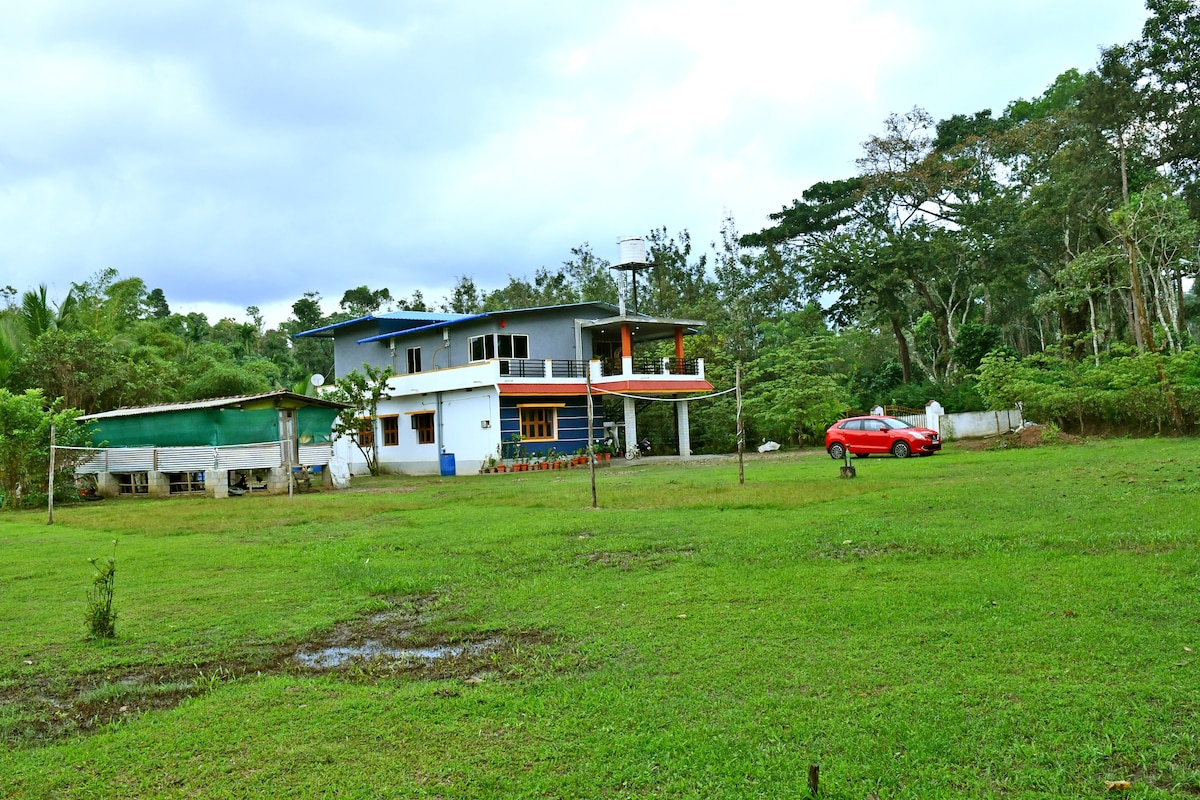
(1018,623)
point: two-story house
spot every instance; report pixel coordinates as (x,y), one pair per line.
(470,385)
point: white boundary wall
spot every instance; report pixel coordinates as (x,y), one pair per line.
(967,425)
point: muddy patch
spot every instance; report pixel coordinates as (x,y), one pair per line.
(395,641)
(392,645)
(1024,437)
(627,559)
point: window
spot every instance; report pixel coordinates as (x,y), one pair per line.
(512,345)
(498,345)
(185,482)
(414,360)
(423,425)
(132,483)
(389,427)
(365,435)
(539,423)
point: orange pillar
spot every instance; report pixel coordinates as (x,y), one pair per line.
(679,343)
(626,341)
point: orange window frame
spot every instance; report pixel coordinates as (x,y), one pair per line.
(423,425)
(539,423)
(389,427)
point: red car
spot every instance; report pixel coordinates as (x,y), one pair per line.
(862,436)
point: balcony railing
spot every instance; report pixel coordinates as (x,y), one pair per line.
(536,368)
(643,365)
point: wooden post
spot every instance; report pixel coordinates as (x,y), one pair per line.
(741,434)
(814,778)
(50,499)
(591,448)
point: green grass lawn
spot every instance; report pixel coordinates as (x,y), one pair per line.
(1019,623)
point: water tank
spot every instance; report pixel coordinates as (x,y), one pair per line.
(632,250)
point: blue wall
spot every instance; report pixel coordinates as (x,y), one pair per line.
(572,424)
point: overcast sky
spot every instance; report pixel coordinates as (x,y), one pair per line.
(244,153)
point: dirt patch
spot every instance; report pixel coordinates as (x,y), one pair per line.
(626,560)
(1024,437)
(388,645)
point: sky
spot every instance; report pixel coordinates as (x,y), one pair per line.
(243,153)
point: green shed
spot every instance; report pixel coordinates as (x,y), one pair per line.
(212,446)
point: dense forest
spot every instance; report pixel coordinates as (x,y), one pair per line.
(1045,254)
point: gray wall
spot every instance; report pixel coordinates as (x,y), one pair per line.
(551,334)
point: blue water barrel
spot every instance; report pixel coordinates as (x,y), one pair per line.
(448,464)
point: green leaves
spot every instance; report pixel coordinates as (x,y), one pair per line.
(25,423)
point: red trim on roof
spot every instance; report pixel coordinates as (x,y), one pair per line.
(627,386)
(654,387)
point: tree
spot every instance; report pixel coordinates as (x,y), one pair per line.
(792,392)
(677,284)
(77,366)
(25,422)
(225,379)
(1164,61)
(361,391)
(361,301)
(313,355)
(1158,236)
(156,302)
(589,276)
(464,297)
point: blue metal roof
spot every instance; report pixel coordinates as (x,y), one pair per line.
(437,324)
(392,323)
(394,320)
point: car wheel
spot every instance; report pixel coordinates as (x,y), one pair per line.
(836,451)
(901,450)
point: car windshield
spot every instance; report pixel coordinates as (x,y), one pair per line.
(895,424)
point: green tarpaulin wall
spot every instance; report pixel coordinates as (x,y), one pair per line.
(210,427)
(315,424)
(193,428)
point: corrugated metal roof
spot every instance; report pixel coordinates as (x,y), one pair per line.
(402,316)
(441,318)
(215,402)
(438,324)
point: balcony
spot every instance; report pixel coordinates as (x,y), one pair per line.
(601,369)
(554,374)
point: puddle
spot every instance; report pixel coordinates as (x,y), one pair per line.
(337,656)
(389,644)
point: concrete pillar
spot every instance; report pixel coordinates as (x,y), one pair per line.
(278,479)
(685,431)
(631,437)
(157,484)
(933,415)
(107,485)
(216,483)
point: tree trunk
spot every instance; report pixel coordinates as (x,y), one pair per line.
(902,351)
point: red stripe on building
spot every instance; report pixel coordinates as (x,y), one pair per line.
(627,387)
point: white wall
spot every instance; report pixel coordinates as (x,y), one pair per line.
(975,424)
(459,426)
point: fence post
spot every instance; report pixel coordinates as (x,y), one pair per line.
(933,416)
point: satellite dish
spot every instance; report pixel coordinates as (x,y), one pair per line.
(317,379)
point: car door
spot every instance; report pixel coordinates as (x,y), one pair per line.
(875,436)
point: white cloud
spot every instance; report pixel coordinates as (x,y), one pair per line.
(243,153)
